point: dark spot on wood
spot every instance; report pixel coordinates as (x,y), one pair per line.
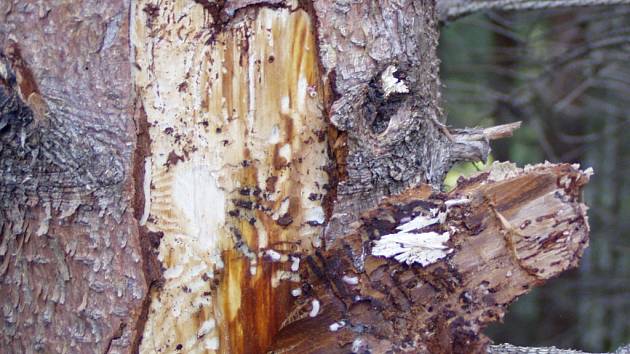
(173,159)
(155,237)
(245,204)
(525,224)
(548,216)
(488,299)
(551,239)
(285,220)
(270,183)
(168,130)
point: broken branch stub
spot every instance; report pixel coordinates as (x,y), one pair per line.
(394,285)
(381,61)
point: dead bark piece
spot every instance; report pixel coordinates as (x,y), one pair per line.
(427,271)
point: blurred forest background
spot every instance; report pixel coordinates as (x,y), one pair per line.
(566,74)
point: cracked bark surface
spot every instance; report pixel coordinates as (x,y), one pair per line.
(71,266)
(197,176)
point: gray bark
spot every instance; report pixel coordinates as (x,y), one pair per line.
(71,264)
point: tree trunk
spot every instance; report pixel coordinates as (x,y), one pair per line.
(246,176)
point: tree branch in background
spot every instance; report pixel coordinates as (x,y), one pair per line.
(449,10)
(512,349)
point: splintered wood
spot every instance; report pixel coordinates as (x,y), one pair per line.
(508,230)
(235,176)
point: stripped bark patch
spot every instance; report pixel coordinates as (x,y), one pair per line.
(235,154)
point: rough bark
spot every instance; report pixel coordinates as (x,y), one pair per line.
(191,175)
(391,139)
(71,267)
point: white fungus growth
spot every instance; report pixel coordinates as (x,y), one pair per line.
(350,280)
(390,83)
(296,292)
(315,308)
(146,188)
(173,272)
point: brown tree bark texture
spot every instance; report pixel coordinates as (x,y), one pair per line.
(213,177)
(71,262)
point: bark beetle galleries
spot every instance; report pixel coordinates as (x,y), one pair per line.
(441,306)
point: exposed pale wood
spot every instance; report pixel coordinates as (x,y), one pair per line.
(236,170)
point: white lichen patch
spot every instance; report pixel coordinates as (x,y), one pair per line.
(390,83)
